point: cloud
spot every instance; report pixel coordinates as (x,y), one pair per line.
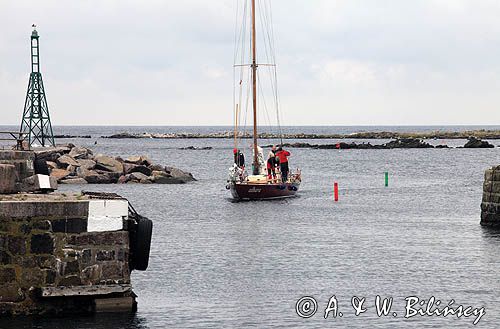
(342,61)
(347,71)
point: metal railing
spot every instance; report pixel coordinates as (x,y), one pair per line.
(17,136)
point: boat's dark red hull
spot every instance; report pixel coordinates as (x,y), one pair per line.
(249,191)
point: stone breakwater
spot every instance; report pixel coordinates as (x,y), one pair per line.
(71,164)
(479,134)
(72,136)
(404,143)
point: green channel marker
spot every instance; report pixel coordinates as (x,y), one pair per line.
(386,179)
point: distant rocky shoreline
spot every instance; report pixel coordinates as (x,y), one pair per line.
(71,136)
(479,134)
(71,164)
(402,143)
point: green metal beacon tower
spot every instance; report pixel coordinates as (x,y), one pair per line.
(36,119)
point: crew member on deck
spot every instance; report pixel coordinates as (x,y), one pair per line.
(273,151)
(283,158)
(271,164)
(239,158)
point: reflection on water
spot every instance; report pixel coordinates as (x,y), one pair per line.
(98,321)
(491,234)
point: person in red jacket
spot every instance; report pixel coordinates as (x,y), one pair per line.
(283,157)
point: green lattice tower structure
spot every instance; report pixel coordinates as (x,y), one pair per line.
(36,119)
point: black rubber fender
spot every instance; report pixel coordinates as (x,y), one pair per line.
(141,244)
(41,167)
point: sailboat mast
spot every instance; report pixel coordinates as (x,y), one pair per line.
(254,93)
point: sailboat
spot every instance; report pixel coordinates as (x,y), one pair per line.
(258,185)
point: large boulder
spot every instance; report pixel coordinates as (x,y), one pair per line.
(127,167)
(80,152)
(106,163)
(156,167)
(65,160)
(123,179)
(180,174)
(160,177)
(51,153)
(134,160)
(90,176)
(101,177)
(135,177)
(473,142)
(52,157)
(73,181)
(142,169)
(59,174)
(82,172)
(171,176)
(139,160)
(86,163)
(97,176)
(72,169)
(111,177)
(138,176)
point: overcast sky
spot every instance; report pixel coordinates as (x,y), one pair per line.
(340,62)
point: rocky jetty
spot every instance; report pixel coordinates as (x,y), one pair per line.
(72,136)
(71,164)
(407,143)
(477,143)
(479,134)
(398,143)
(403,143)
(194,148)
(125,135)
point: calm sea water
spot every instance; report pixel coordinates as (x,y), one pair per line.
(219,264)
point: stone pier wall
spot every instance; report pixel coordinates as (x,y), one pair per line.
(57,255)
(490,205)
(15,166)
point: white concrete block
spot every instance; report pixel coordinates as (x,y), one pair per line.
(39,182)
(44,181)
(106,215)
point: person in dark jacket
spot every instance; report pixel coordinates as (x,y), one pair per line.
(272,163)
(239,158)
(283,159)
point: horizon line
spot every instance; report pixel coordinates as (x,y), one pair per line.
(305,125)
